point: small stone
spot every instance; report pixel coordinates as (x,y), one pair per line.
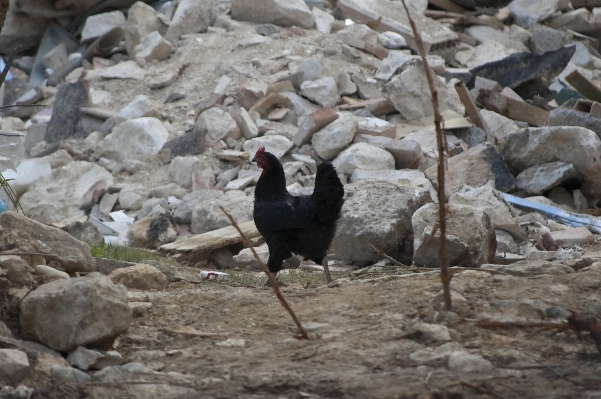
(282,13)
(363,156)
(310,123)
(99,24)
(140,277)
(528,12)
(431,332)
(69,375)
(465,362)
(323,91)
(89,359)
(14,366)
(323,20)
(276,144)
(191,16)
(540,178)
(132,197)
(140,106)
(218,124)
(123,70)
(16,270)
(247,125)
(392,40)
(329,141)
(51,273)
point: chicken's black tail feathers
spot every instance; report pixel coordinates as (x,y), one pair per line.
(328,193)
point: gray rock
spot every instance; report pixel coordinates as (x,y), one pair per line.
(65,314)
(484,53)
(123,70)
(207,216)
(363,156)
(491,201)
(283,13)
(299,105)
(323,20)
(428,355)
(191,16)
(22,30)
(323,91)
(99,24)
(183,212)
(465,362)
(182,169)
(152,207)
(470,236)
(430,332)
(530,268)
(140,136)
(247,125)
(377,212)
(544,39)
(12,150)
(346,86)
(483,33)
(406,176)
(562,116)
(51,274)
(311,68)
(153,47)
(391,64)
(218,124)
(69,375)
(528,12)
(31,236)
(140,106)
(132,196)
(171,189)
(482,161)
(540,178)
(142,19)
(140,277)
(506,243)
(14,366)
(499,127)
(89,359)
(576,145)
(16,270)
(392,40)
(86,232)
(276,144)
(329,141)
(410,83)
(152,231)
(245,259)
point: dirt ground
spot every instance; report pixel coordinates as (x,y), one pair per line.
(360,342)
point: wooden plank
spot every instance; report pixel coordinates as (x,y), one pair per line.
(584,85)
(212,240)
(447,5)
(512,109)
(470,107)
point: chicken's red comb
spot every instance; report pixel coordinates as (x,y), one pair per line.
(260,151)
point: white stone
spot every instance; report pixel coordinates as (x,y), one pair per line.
(65,314)
(218,124)
(276,144)
(140,136)
(123,70)
(245,260)
(89,359)
(528,12)
(153,47)
(222,84)
(191,16)
(412,83)
(311,67)
(391,64)
(48,205)
(499,127)
(363,156)
(99,98)
(140,277)
(132,196)
(245,123)
(99,24)
(323,91)
(182,168)
(489,51)
(392,40)
(253,39)
(329,141)
(140,106)
(207,215)
(14,366)
(48,271)
(12,150)
(142,19)
(279,12)
(323,20)
(465,362)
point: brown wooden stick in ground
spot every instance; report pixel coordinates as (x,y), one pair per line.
(445,275)
(272,280)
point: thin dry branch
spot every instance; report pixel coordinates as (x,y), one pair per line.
(445,276)
(272,280)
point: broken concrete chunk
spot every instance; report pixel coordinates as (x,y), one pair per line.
(191,16)
(323,91)
(335,137)
(489,51)
(538,179)
(310,123)
(282,13)
(529,12)
(363,156)
(153,48)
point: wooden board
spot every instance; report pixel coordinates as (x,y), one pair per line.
(212,240)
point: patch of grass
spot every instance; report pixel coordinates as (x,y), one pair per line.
(129,254)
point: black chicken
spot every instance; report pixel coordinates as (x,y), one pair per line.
(304,225)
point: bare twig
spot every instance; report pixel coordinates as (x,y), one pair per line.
(442,251)
(485,323)
(272,280)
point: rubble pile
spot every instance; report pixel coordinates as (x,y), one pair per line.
(132,126)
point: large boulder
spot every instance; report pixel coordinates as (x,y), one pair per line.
(60,196)
(140,136)
(31,236)
(378,213)
(278,12)
(86,311)
(471,238)
(578,146)
(207,215)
